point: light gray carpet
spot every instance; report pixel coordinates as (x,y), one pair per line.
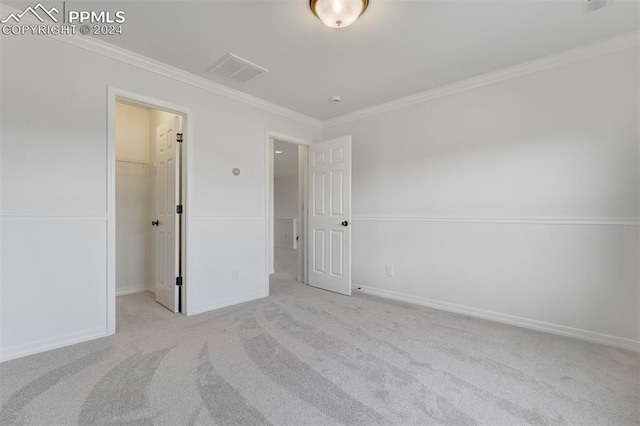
(308,357)
(285,263)
(138,310)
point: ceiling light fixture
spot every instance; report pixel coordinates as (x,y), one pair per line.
(338,13)
(278,152)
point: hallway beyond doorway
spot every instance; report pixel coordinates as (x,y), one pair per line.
(286,263)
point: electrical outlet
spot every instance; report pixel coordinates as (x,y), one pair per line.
(235,275)
(389,271)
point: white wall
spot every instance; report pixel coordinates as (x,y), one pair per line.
(54,191)
(134,204)
(455,193)
(285,197)
(132,132)
(285,206)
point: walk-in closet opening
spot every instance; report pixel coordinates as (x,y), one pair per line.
(148,204)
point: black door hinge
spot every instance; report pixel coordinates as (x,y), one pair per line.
(178,280)
(178,137)
(179,209)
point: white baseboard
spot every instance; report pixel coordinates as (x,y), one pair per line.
(131,290)
(227,302)
(7,354)
(561,330)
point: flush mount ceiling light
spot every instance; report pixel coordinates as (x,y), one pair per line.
(338,13)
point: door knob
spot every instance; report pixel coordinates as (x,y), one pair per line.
(345,223)
(155,223)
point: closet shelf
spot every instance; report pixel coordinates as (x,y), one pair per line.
(133,161)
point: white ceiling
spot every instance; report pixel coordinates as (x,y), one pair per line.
(397,48)
(286,163)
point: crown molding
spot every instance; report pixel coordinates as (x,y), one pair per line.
(109,50)
(114,52)
(128,57)
(548,62)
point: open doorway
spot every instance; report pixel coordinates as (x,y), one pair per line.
(324,212)
(286,201)
(286,211)
(148,204)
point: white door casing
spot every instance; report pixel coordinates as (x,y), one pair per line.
(329,237)
(167,197)
(303,163)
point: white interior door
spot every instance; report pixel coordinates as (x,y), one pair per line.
(330,215)
(167,197)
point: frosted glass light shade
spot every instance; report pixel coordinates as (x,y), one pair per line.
(338,13)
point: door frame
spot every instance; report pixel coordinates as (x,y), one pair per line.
(115,94)
(269,206)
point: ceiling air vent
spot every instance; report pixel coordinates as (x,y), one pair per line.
(589,6)
(236,68)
